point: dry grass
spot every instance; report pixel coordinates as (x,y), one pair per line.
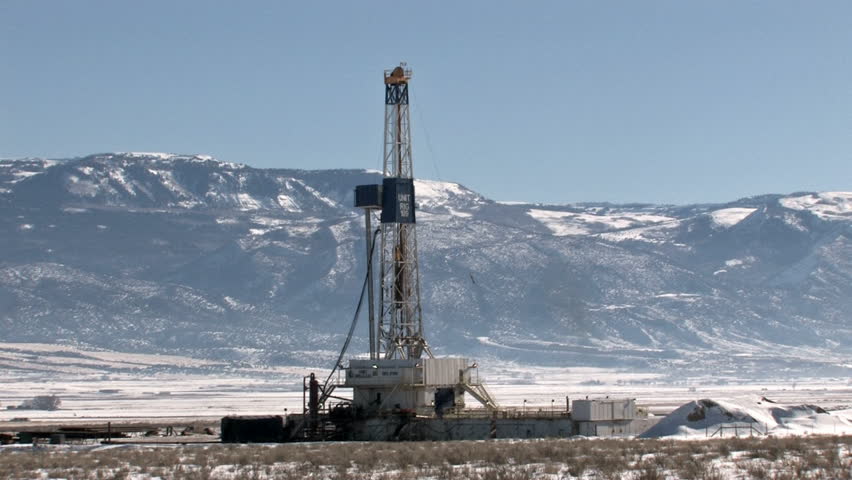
(810,457)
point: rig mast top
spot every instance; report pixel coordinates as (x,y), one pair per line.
(397,151)
(398,75)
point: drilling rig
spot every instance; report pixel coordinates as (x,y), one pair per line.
(400,390)
(401,374)
(399,330)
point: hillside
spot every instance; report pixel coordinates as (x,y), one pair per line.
(182,254)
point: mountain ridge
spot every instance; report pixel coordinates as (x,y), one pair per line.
(185,254)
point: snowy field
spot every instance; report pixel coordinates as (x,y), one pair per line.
(101,386)
(163,396)
(97,387)
(139,398)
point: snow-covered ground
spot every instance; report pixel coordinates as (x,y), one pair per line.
(756,416)
(100,385)
(728,217)
(825,204)
(563,223)
(148,394)
(156,397)
(155,393)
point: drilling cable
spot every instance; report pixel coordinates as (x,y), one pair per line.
(337,364)
(416,106)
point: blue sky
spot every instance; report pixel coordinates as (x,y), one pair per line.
(658,101)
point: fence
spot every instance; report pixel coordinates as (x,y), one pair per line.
(746,428)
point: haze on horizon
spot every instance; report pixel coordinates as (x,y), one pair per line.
(664,102)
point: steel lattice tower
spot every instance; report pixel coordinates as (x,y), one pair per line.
(400,324)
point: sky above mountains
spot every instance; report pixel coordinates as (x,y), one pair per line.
(667,102)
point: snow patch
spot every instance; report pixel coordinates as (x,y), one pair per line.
(268,221)
(247,202)
(82,188)
(303,231)
(117,175)
(168,180)
(553,220)
(160,155)
(288,204)
(728,217)
(563,223)
(657,234)
(457,213)
(432,193)
(319,196)
(740,262)
(686,297)
(794,221)
(611,307)
(22,175)
(237,305)
(702,417)
(824,205)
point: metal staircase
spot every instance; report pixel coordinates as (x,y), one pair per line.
(481,393)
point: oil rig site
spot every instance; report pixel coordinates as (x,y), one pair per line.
(399,389)
(395,390)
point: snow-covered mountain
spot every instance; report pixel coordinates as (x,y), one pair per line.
(184,254)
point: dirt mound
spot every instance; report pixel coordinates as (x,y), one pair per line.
(696,417)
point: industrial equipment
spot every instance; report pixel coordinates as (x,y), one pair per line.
(402,373)
(401,390)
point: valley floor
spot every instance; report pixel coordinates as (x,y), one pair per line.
(156,391)
(100,386)
(167,396)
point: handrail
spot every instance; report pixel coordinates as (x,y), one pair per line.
(746,427)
